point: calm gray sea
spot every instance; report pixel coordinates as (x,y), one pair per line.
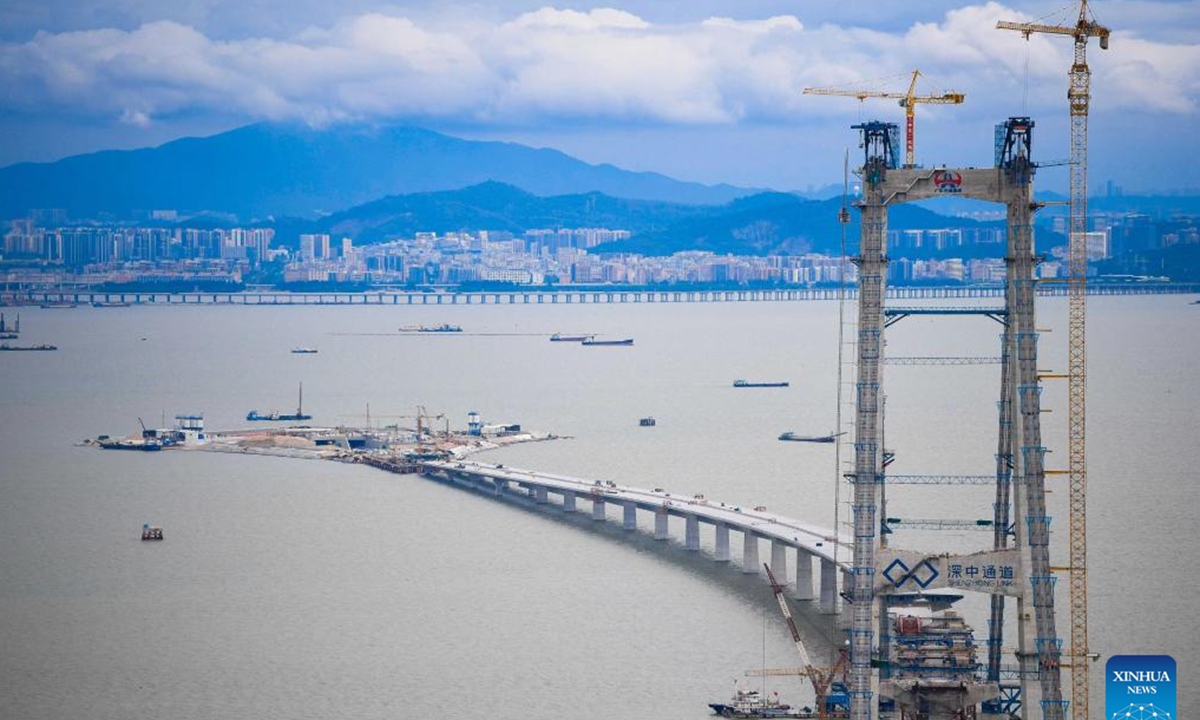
(301,589)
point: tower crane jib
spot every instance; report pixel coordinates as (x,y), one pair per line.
(908,100)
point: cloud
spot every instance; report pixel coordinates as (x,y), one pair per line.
(554,65)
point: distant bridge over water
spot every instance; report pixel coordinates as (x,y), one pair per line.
(607,296)
(808,545)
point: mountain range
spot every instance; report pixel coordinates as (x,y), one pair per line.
(759,224)
(271,170)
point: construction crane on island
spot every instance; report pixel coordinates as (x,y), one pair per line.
(1078,97)
(908,100)
(820,677)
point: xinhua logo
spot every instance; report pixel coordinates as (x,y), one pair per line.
(1140,687)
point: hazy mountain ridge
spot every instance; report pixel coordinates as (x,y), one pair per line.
(264,170)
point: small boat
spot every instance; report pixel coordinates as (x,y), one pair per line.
(747,383)
(58,305)
(102,304)
(594,341)
(793,437)
(647,422)
(13,348)
(304,351)
(152,532)
(556,337)
(8,336)
(443,328)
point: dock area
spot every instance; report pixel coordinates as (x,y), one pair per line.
(393,448)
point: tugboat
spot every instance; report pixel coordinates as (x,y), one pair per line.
(751,704)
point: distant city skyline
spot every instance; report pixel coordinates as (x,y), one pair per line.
(707,91)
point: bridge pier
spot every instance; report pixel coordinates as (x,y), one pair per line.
(749,552)
(569,501)
(722,543)
(828,586)
(804,575)
(691,537)
(660,525)
(540,496)
(779,561)
(630,516)
(598,509)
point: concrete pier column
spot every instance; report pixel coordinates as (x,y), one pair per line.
(691,538)
(598,509)
(828,586)
(540,496)
(722,543)
(660,525)
(804,575)
(749,552)
(569,501)
(630,516)
(779,561)
(500,486)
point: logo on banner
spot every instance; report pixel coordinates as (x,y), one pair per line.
(898,573)
(947,181)
(1140,687)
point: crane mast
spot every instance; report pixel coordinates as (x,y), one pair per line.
(1078,97)
(821,678)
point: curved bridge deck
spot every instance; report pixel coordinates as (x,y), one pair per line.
(787,536)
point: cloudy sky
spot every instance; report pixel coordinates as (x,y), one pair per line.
(701,90)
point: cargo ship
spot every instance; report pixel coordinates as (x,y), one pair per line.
(593,341)
(274,416)
(747,383)
(142,443)
(304,351)
(443,328)
(13,348)
(793,437)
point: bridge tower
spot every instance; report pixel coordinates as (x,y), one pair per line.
(1017,563)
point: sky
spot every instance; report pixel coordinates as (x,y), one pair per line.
(702,90)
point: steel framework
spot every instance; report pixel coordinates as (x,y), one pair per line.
(1078,97)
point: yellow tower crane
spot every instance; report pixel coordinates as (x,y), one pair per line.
(1078,96)
(908,100)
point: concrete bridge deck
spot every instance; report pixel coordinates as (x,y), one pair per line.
(787,536)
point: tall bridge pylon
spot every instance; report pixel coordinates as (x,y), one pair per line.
(884,577)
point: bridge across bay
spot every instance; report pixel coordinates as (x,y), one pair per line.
(66,294)
(808,545)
